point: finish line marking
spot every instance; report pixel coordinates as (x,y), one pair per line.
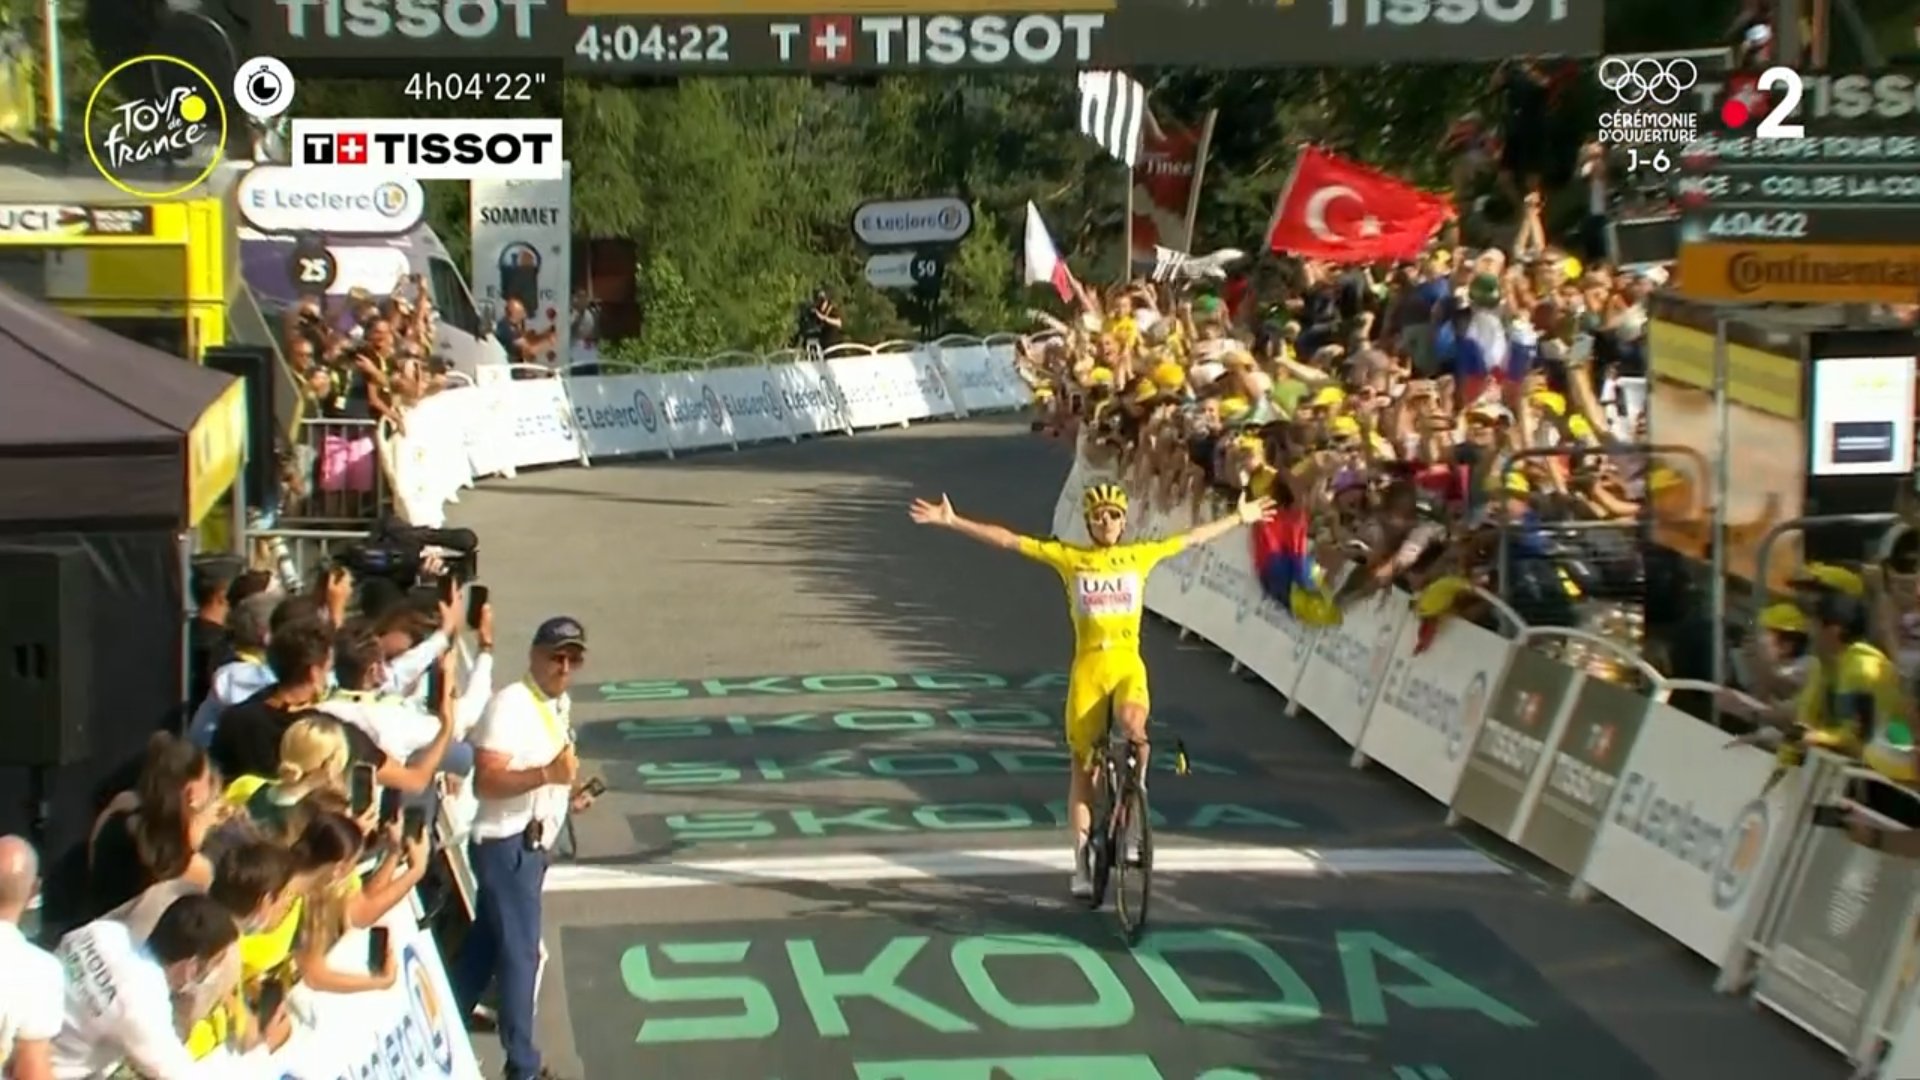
(1287,862)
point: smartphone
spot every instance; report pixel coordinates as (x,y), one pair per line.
(595,787)
(377,945)
(413,824)
(477,597)
(273,994)
(436,689)
(360,789)
(449,588)
(1829,817)
(390,806)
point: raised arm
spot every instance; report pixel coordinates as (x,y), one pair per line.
(1247,513)
(941,514)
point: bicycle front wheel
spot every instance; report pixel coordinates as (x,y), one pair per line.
(1132,859)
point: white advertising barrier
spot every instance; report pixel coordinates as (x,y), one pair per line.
(1348,664)
(519,423)
(428,461)
(619,415)
(813,404)
(752,402)
(983,377)
(412,1029)
(889,388)
(1689,831)
(1428,713)
(691,412)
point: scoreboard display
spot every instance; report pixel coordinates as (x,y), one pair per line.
(700,37)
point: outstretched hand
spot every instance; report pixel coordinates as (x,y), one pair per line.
(931,513)
(1254,511)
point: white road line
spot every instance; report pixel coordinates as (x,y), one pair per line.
(1291,862)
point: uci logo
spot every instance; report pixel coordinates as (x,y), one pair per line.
(1745,846)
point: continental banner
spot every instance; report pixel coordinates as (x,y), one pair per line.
(1800,273)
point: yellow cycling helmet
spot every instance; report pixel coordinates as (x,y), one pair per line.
(1099,495)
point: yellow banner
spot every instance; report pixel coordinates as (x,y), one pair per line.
(1800,273)
(215,448)
(1765,381)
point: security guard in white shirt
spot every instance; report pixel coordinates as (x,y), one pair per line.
(526,782)
(31,991)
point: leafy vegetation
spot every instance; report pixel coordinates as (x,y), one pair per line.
(737,193)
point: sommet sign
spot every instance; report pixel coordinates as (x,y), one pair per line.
(898,222)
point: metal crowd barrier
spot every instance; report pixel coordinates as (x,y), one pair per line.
(336,477)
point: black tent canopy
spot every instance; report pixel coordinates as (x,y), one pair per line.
(100,431)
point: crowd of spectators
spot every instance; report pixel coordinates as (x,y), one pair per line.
(359,363)
(1388,404)
(300,806)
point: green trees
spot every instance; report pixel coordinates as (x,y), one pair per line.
(738,192)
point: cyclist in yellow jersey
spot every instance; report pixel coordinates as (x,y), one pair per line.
(1105,583)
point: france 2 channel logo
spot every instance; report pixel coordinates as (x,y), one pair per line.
(1659,99)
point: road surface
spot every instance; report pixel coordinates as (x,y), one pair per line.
(831,848)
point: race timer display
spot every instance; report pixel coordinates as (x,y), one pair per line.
(698,37)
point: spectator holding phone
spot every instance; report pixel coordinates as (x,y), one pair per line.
(404,745)
(337,900)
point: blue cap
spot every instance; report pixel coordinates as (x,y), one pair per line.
(560,631)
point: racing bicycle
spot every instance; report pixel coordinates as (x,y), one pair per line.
(1121,842)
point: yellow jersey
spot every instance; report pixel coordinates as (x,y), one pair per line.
(1106,587)
(1841,710)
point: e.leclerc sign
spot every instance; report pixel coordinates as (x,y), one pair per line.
(897,222)
(278,199)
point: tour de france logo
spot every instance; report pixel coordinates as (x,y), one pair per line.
(151,109)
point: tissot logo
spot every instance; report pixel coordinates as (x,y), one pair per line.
(434,150)
(420,20)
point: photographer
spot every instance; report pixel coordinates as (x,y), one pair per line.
(524,345)
(819,322)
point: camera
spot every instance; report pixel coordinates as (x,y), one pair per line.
(263,87)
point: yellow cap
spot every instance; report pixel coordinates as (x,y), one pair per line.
(1787,618)
(1344,427)
(1579,427)
(1572,268)
(1100,376)
(1233,407)
(1828,576)
(1550,401)
(1328,396)
(1662,478)
(1516,484)
(1170,376)
(1440,597)
(1144,390)
(1248,442)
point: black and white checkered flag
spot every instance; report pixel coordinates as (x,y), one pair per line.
(1168,263)
(1113,111)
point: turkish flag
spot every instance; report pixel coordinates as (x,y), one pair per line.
(1337,209)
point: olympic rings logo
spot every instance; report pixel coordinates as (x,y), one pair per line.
(1648,79)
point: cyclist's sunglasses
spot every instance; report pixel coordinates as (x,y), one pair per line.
(1106,513)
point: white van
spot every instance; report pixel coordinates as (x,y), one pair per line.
(376,264)
(373,227)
